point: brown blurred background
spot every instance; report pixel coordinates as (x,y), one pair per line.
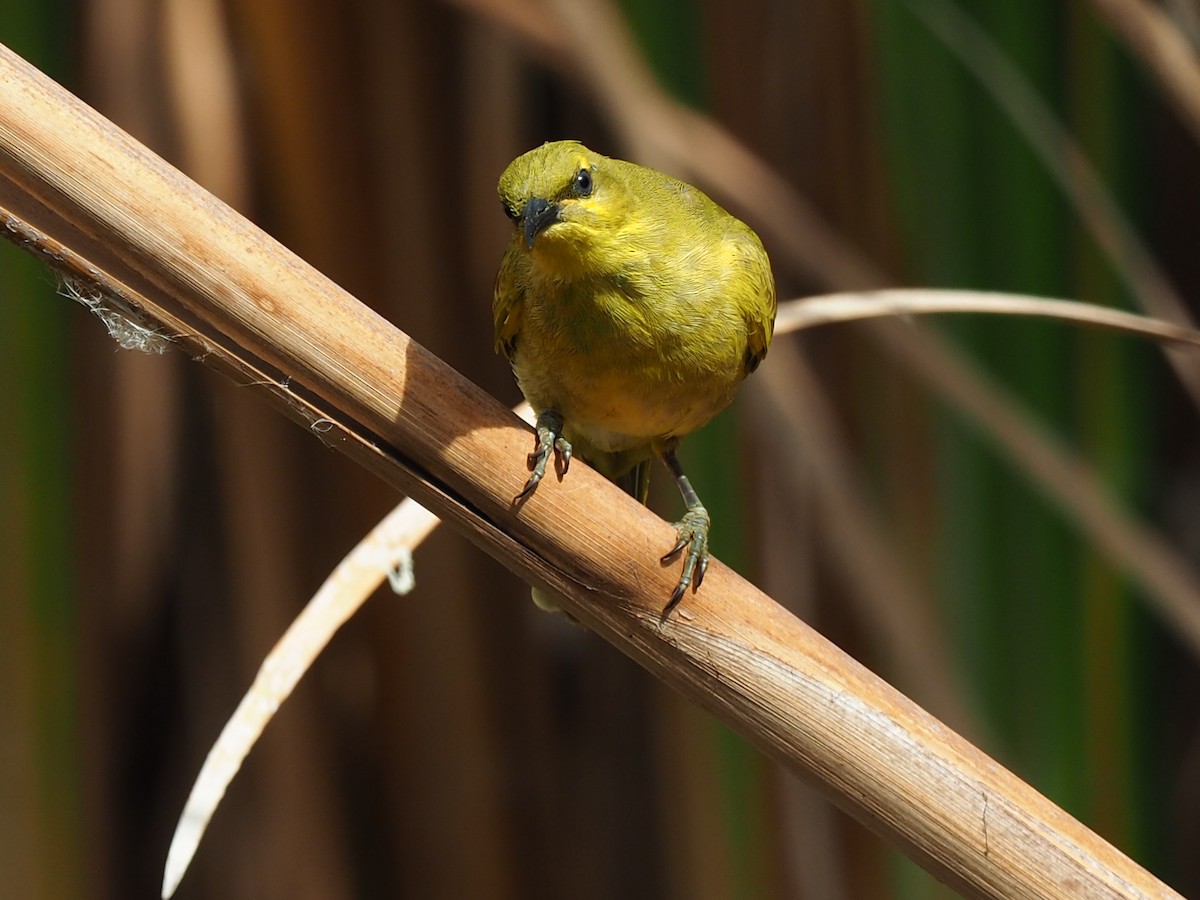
(160,528)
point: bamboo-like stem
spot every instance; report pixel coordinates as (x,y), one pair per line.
(1164,51)
(78,190)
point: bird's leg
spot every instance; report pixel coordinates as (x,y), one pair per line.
(693,534)
(549,441)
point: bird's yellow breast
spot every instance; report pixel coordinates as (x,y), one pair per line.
(630,359)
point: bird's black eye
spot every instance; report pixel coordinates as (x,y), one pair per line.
(583,183)
(510,212)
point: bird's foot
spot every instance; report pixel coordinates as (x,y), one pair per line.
(693,537)
(550,442)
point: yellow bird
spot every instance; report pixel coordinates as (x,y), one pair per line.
(631,306)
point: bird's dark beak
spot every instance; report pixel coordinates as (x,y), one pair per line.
(539,215)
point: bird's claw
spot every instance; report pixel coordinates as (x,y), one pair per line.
(550,442)
(693,536)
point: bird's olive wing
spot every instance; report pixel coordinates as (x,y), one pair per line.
(508,299)
(759,303)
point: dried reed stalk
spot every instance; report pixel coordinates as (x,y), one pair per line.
(1163,49)
(77,190)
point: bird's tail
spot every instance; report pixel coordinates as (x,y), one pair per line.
(636,483)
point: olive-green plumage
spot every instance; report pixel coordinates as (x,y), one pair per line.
(631,307)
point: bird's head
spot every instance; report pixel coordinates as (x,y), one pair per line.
(566,204)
